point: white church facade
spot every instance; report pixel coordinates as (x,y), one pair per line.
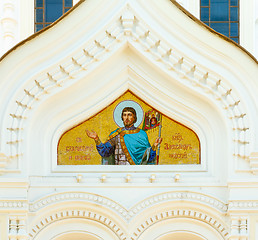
(162,57)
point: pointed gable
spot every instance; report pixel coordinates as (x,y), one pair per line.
(160,52)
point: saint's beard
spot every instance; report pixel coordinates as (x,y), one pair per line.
(128,124)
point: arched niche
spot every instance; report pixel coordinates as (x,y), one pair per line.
(133,38)
(181,228)
(75,235)
(182,235)
(75,228)
(69,108)
(180,145)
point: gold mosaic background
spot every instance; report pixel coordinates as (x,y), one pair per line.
(180,144)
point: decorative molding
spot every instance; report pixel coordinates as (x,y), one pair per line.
(9,24)
(182,213)
(113,226)
(182,196)
(128,214)
(130,29)
(3,162)
(77,196)
(254,162)
(243,205)
(13,205)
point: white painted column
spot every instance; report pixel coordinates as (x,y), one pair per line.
(13,227)
(17,227)
(239,228)
(22,233)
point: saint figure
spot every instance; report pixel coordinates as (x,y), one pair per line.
(127,145)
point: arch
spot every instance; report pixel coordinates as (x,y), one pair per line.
(185,228)
(78,235)
(185,68)
(127,30)
(64,222)
(189,210)
(158,210)
(182,235)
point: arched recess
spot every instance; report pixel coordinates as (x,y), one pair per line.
(180,228)
(183,58)
(182,235)
(78,235)
(169,213)
(75,228)
(174,100)
(62,220)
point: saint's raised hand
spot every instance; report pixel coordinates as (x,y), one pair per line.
(92,134)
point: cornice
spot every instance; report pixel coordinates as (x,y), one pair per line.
(128,214)
(14,205)
(246,206)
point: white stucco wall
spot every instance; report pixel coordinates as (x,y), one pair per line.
(63,76)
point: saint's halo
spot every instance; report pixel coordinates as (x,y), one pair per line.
(128,103)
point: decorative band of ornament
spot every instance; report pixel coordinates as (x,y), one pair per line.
(114,134)
(238,205)
(129,213)
(18,204)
